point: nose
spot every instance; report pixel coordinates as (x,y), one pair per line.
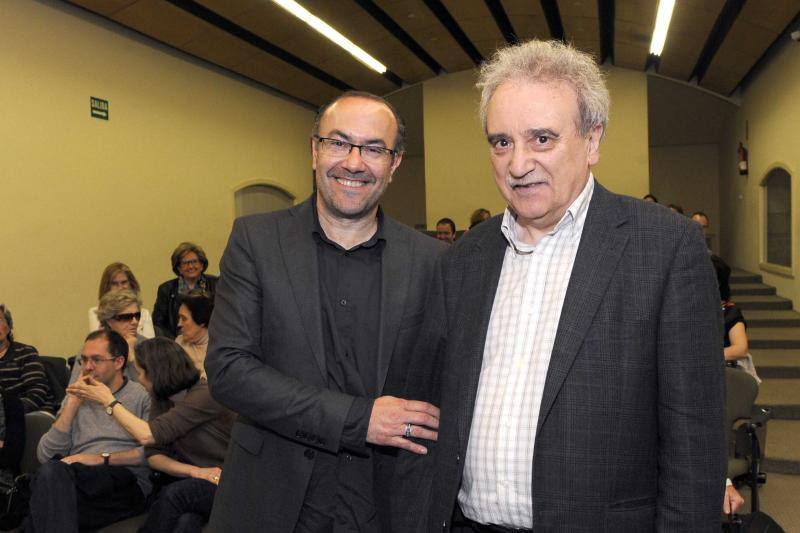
(353,162)
(522,162)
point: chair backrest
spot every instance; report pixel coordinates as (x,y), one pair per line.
(57,376)
(742,390)
(36,424)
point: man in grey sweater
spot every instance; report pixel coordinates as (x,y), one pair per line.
(93,471)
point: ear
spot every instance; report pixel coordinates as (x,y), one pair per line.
(313,153)
(595,135)
(396,163)
(119,361)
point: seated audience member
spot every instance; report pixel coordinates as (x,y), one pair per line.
(650,198)
(478,216)
(186,437)
(93,472)
(21,373)
(194,315)
(189,262)
(702,219)
(12,442)
(446,230)
(676,208)
(119,311)
(116,277)
(736,346)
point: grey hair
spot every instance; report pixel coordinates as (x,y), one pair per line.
(400,140)
(549,61)
(6,312)
(113,302)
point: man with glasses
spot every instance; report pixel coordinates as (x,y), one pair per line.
(92,471)
(317,309)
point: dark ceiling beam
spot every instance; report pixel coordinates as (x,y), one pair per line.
(607,11)
(725,19)
(553,16)
(503,22)
(450,24)
(769,52)
(262,44)
(400,34)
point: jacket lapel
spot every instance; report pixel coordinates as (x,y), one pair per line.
(602,243)
(300,258)
(396,264)
(482,275)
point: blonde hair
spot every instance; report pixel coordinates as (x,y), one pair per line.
(113,302)
(108,275)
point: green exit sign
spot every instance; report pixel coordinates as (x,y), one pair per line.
(99,107)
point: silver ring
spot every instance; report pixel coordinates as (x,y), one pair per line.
(407,432)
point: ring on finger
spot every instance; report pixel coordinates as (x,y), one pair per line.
(407,432)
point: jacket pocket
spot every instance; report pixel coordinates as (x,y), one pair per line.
(248,437)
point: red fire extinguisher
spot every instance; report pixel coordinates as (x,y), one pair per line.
(742,160)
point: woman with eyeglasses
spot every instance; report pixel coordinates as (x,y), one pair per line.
(120,311)
(118,276)
(189,262)
(186,437)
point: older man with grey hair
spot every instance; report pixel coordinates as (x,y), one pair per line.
(584,392)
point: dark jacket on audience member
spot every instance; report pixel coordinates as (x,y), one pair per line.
(22,375)
(165,311)
(191,428)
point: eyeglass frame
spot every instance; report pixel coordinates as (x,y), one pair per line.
(95,359)
(127,317)
(189,262)
(383,150)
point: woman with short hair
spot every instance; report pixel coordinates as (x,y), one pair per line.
(186,437)
(189,262)
(194,314)
(118,276)
(120,311)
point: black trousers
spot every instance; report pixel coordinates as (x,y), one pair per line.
(183,506)
(69,498)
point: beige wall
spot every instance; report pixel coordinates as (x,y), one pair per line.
(771,109)
(79,193)
(458,176)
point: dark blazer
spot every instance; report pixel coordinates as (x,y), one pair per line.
(266,362)
(630,435)
(165,311)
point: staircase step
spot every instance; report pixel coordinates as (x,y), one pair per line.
(777,363)
(782,453)
(763,302)
(773,338)
(739,289)
(743,276)
(782,396)
(765,318)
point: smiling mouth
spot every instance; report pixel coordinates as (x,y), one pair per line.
(350,183)
(527,185)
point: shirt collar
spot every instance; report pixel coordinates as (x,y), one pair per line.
(572,220)
(183,287)
(319,233)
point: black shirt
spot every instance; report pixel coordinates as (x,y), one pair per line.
(340,493)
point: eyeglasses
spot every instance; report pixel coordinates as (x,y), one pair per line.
(95,360)
(369,153)
(127,317)
(190,262)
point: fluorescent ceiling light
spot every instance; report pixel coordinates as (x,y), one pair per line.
(325,29)
(663,17)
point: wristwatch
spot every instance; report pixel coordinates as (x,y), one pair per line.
(110,407)
(106,456)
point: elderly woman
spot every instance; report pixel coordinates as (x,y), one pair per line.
(120,311)
(186,437)
(21,373)
(194,315)
(116,277)
(189,262)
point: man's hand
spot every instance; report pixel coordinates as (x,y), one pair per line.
(88,388)
(88,459)
(390,417)
(733,500)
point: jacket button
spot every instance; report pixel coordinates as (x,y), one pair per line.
(458,458)
(309,454)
